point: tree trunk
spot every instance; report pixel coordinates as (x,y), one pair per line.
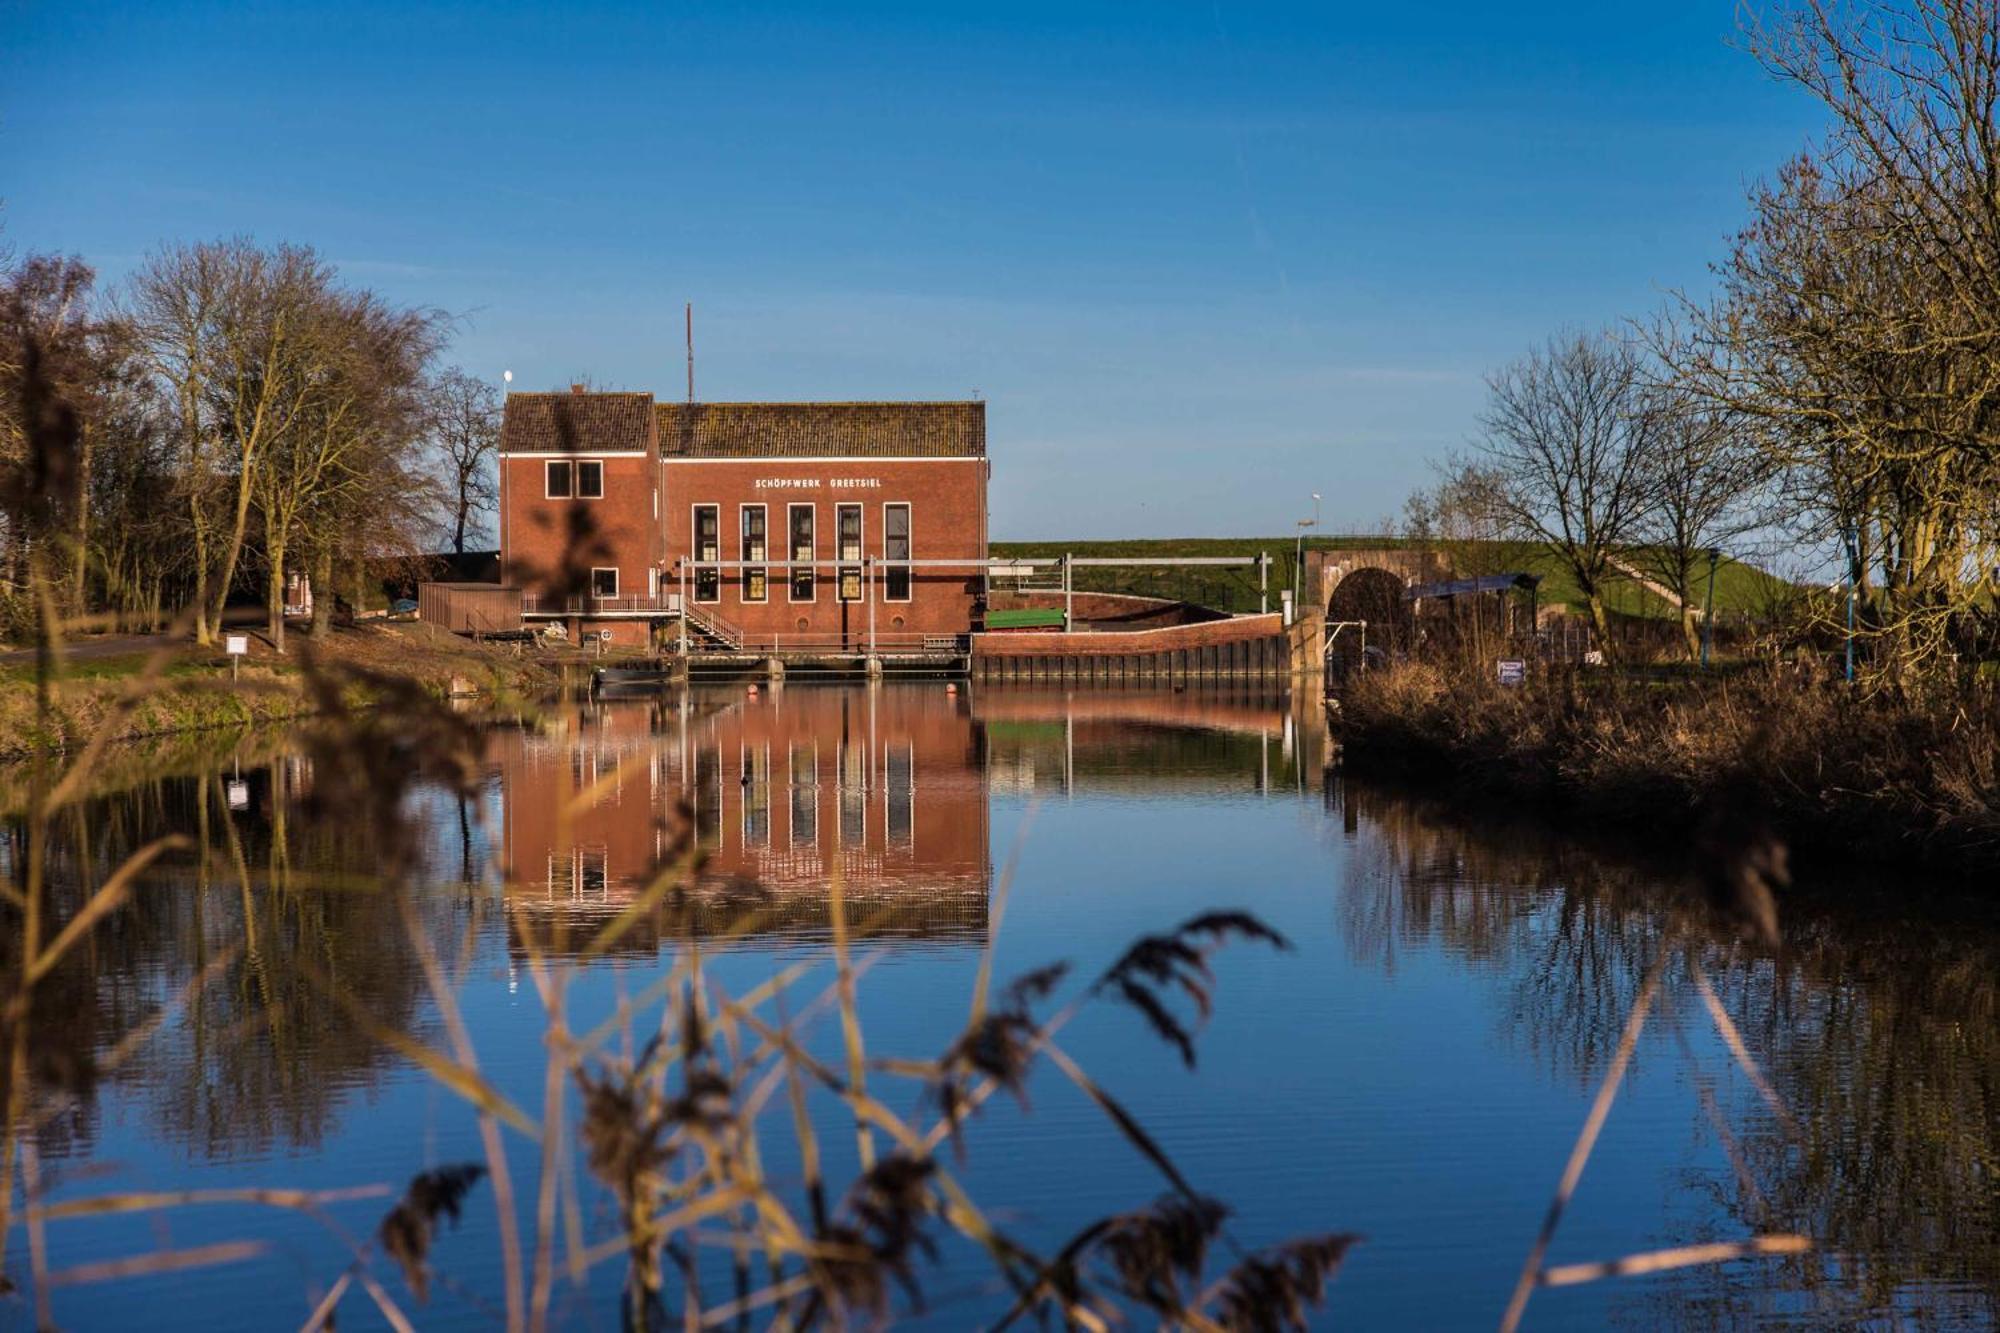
(1689,633)
(322,584)
(1600,623)
(219,594)
(458,532)
(274,610)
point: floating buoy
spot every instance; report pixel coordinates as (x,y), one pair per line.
(950,688)
(752,691)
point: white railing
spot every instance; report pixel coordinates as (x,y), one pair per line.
(541,604)
(714,625)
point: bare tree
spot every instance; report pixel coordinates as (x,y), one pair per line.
(465,432)
(1703,472)
(227,331)
(1858,322)
(361,409)
(1564,440)
(1460,519)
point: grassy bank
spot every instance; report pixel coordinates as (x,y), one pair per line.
(1829,769)
(1739,588)
(190,689)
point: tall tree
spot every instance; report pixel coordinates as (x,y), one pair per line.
(1858,320)
(1703,474)
(1564,441)
(465,432)
(359,410)
(228,332)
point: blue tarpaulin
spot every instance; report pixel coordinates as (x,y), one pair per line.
(1484,583)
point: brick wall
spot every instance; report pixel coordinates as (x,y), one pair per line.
(1174,638)
(543,536)
(947,499)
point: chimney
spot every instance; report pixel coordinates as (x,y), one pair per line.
(576,388)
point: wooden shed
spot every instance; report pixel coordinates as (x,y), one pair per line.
(470,608)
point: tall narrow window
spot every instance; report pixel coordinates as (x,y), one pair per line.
(707,550)
(896,553)
(558,472)
(756,547)
(803,553)
(590,479)
(847,522)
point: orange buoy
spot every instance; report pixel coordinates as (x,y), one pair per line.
(752,691)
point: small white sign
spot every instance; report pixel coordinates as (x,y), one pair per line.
(239,795)
(237,645)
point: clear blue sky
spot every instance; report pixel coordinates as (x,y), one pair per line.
(1200,259)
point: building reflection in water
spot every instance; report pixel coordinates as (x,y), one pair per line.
(779,791)
(888,785)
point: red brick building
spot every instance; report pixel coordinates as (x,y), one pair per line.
(774,526)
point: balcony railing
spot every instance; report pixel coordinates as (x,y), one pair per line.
(541,604)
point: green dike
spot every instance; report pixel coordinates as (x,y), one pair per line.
(1740,587)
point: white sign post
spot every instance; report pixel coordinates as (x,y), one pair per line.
(238,647)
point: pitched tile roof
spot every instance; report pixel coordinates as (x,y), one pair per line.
(807,430)
(577,423)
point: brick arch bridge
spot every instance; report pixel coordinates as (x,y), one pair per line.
(1327,570)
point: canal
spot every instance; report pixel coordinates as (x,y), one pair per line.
(1414,1068)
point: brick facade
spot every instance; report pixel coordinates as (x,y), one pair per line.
(600,493)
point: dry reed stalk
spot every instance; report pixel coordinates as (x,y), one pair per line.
(160,1261)
(554,1080)
(297,1200)
(1658,1261)
(1711,1108)
(489,1128)
(1586,1140)
(1737,1048)
(996,912)
(850,1020)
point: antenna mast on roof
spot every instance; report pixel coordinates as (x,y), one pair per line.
(690,341)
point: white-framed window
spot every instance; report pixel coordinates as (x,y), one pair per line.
(803,547)
(603,581)
(573,479)
(707,550)
(753,522)
(896,552)
(652,583)
(846,549)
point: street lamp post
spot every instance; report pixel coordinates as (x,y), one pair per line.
(1299,559)
(1708,608)
(1852,538)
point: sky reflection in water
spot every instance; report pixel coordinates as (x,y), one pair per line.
(1415,1069)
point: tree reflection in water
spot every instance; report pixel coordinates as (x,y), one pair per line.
(256,1059)
(1878,1021)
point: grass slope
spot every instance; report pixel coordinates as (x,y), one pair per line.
(1739,587)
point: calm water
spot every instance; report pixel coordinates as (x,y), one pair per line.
(1415,1069)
